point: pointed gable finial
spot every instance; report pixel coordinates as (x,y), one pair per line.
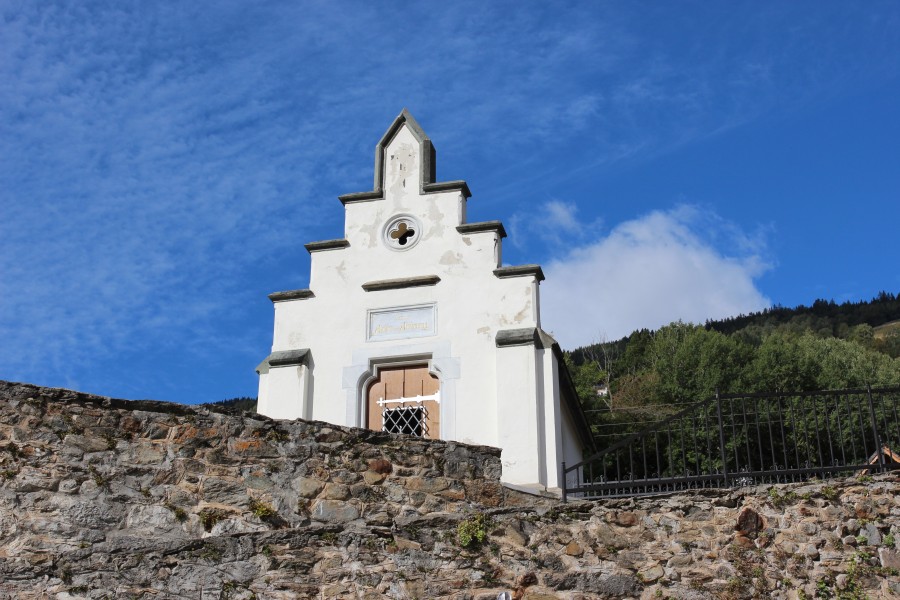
(427,162)
(426,149)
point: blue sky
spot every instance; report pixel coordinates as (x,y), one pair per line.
(163,163)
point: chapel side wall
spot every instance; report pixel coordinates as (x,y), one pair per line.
(571,442)
(553,428)
(518,406)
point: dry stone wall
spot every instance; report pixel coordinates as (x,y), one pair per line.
(104,498)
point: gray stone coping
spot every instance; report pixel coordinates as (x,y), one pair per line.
(326,245)
(283,358)
(404,282)
(520,271)
(519,337)
(291,295)
(361,197)
(427,188)
(447,186)
(483,227)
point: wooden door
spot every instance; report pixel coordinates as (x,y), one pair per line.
(409,398)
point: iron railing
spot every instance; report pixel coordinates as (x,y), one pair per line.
(732,440)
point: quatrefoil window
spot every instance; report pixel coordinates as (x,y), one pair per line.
(402,232)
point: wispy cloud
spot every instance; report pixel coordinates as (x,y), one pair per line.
(555,224)
(680,264)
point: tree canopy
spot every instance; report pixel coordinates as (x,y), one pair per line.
(650,374)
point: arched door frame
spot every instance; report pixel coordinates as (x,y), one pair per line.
(376,365)
(367,361)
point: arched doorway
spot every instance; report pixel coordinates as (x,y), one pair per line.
(405,400)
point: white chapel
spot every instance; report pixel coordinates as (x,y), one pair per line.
(412,325)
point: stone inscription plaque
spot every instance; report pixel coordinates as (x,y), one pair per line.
(401,323)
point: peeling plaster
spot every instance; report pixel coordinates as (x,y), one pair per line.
(451,258)
(402,165)
(437,219)
(467,240)
(523,314)
(371,229)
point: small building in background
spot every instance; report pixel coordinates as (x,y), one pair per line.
(412,325)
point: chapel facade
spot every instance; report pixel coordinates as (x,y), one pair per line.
(412,325)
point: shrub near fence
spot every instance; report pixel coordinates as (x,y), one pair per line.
(744,439)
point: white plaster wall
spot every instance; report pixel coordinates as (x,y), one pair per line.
(553,422)
(572,451)
(519,431)
(472,303)
(283,392)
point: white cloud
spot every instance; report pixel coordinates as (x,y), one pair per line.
(651,271)
(562,216)
(555,224)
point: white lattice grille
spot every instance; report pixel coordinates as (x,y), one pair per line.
(410,420)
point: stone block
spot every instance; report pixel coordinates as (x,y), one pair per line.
(306,487)
(405,544)
(651,574)
(429,485)
(374,477)
(514,535)
(680,560)
(573,549)
(381,465)
(871,533)
(86,444)
(334,511)
(225,491)
(749,522)
(890,559)
(335,491)
(145,453)
(625,519)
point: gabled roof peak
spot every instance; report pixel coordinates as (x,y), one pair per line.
(405,117)
(427,163)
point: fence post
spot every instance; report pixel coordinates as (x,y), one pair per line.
(722,438)
(878,447)
(564,495)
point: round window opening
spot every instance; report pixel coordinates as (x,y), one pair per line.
(402,232)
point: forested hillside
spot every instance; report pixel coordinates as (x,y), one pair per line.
(242,403)
(650,374)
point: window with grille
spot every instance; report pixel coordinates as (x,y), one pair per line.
(408,420)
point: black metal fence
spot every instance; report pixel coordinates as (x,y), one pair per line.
(732,440)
